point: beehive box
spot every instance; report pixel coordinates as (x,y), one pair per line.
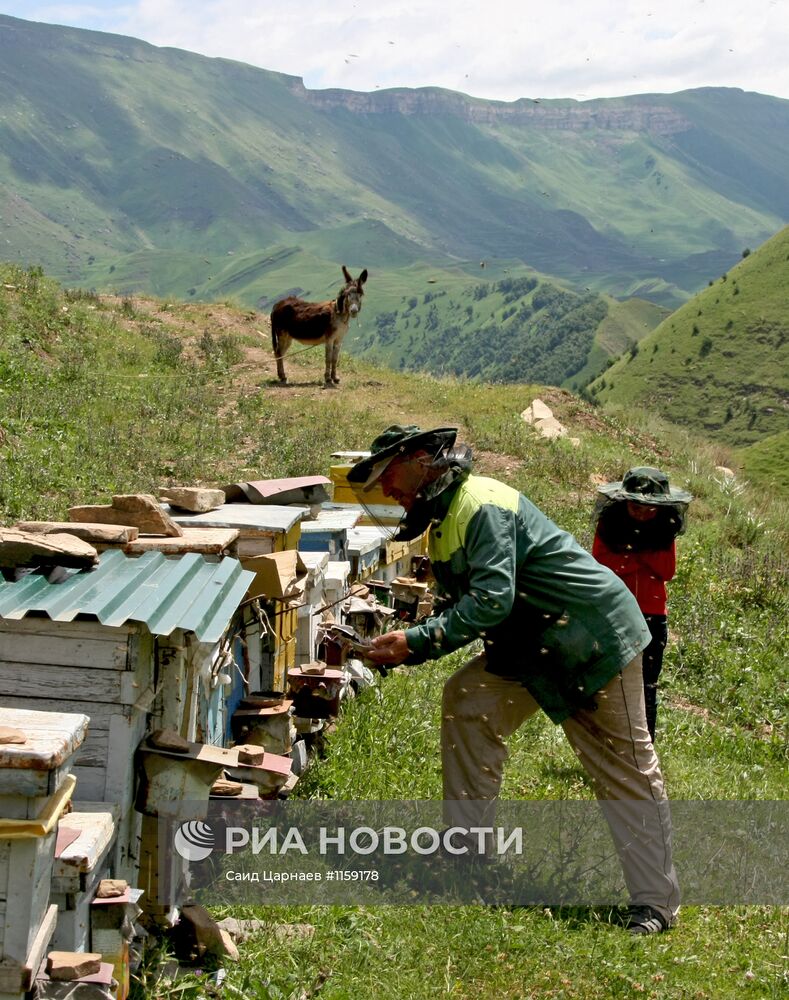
(269,725)
(345,492)
(86,668)
(78,868)
(278,644)
(261,528)
(35,787)
(328,532)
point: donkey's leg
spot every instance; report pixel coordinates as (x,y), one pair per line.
(335,360)
(328,381)
(284,341)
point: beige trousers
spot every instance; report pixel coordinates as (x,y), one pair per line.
(612,742)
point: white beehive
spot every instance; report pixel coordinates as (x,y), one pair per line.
(35,787)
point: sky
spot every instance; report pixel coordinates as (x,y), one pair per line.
(496,49)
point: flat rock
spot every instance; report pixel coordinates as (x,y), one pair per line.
(140,510)
(228,946)
(241,928)
(208,935)
(197,499)
(229,788)
(537,410)
(550,428)
(111,888)
(65,965)
(248,753)
(107,534)
(23,548)
(10,735)
(169,739)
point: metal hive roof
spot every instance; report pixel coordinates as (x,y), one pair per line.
(164,594)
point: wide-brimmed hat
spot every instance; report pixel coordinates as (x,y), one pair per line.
(394,442)
(647,486)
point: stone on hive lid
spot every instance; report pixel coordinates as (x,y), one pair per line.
(197,499)
(248,753)
(111,888)
(66,965)
(168,739)
(26,548)
(227,788)
(140,510)
(10,735)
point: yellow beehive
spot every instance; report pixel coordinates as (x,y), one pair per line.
(345,492)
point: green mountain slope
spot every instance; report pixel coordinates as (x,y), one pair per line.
(720,364)
(110,147)
(518,328)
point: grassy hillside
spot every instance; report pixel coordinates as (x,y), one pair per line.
(719,364)
(103,395)
(113,152)
(521,326)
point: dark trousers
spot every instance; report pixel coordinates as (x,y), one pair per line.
(652,665)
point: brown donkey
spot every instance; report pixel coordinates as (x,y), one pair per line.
(316,323)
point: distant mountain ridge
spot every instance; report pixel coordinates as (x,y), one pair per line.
(613,193)
(128,167)
(651,116)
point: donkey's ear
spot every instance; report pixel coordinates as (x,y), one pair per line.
(346,275)
(363,277)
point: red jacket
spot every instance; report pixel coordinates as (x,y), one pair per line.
(645,573)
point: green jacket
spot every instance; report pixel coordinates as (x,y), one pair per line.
(549,614)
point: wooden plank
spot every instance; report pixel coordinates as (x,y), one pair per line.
(90,781)
(208,541)
(46,682)
(99,713)
(30,871)
(93,752)
(252,519)
(33,625)
(124,736)
(109,534)
(42,649)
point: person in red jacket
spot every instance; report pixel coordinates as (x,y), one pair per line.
(637,522)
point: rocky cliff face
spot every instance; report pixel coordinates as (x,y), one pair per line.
(640,114)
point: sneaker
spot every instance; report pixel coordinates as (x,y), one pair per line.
(645,920)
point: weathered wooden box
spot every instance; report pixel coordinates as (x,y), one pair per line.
(35,787)
(84,667)
(78,868)
(266,725)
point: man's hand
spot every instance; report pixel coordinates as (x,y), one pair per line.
(390,649)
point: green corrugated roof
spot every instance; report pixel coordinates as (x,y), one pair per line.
(163,593)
